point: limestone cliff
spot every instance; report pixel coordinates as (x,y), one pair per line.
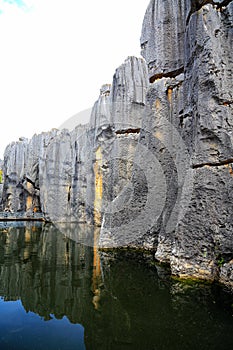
(68,176)
(191,94)
(154,165)
(187,129)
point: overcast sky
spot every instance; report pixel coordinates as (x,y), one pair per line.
(56,54)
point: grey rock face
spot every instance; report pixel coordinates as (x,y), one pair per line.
(162,38)
(22,166)
(63,173)
(14,167)
(208,113)
(119,103)
(207,129)
(194,231)
(55,178)
(161,135)
(203,238)
(116,136)
(34,166)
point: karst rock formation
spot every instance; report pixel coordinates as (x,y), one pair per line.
(154,166)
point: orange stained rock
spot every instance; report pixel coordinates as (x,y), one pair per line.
(26,254)
(29,197)
(159,135)
(157,104)
(229,166)
(96,277)
(29,203)
(169,94)
(98,187)
(96,260)
(27,235)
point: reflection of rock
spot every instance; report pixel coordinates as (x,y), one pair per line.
(154,309)
(48,269)
(119,298)
(50,273)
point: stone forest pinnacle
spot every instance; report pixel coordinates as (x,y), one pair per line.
(154,166)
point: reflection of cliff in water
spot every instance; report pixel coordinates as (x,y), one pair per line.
(50,273)
(120,301)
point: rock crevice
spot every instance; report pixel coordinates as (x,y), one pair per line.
(222,163)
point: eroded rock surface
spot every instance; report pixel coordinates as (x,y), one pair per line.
(196,238)
(162,38)
(187,129)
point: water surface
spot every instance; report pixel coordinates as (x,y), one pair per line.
(57,293)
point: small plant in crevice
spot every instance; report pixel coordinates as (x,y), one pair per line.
(220,261)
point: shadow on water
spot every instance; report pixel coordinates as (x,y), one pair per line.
(60,294)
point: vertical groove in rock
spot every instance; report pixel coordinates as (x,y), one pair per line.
(162,36)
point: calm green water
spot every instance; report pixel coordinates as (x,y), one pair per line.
(59,294)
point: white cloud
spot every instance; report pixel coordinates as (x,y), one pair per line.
(14,6)
(56,54)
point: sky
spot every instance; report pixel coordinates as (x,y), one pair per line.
(56,54)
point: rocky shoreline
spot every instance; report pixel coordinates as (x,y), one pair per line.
(5,216)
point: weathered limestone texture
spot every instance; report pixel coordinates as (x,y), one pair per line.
(56,178)
(117,144)
(32,179)
(22,166)
(162,38)
(208,126)
(191,90)
(14,196)
(68,176)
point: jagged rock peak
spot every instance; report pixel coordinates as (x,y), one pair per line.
(163,30)
(117,102)
(105,90)
(130,81)
(162,37)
